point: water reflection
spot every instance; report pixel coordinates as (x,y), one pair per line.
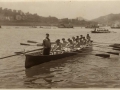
(45,74)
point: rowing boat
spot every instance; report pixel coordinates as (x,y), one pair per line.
(33,59)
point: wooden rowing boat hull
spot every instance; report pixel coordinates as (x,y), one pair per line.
(32,60)
(36,59)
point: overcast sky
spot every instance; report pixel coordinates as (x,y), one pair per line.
(88,9)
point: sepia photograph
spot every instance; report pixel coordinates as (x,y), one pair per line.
(59,44)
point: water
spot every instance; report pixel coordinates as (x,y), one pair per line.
(82,71)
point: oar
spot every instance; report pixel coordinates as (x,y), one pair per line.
(21,53)
(102,46)
(30,41)
(103,55)
(108,43)
(115,53)
(116,49)
(115,46)
(100,55)
(27,44)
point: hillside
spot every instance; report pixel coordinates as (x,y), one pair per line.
(18,17)
(108,19)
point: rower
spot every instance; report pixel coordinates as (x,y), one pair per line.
(88,36)
(81,36)
(73,40)
(77,37)
(77,45)
(64,42)
(89,42)
(70,45)
(84,42)
(81,42)
(57,47)
(46,45)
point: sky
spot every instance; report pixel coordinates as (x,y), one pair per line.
(88,9)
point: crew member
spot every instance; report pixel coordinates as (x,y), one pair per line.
(88,36)
(57,47)
(64,42)
(46,45)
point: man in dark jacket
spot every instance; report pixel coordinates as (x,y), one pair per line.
(46,45)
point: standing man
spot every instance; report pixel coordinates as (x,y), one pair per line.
(46,45)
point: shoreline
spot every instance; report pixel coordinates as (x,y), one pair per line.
(23,23)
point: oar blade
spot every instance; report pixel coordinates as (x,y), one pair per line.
(115,53)
(116,49)
(103,55)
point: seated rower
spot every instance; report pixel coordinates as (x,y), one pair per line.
(73,40)
(77,37)
(84,42)
(81,42)
(70,45)
(88,36)
(89,42)
(64,42)
(57,48)
(77,45)
(81,36)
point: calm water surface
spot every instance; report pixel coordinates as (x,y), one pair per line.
(81,71)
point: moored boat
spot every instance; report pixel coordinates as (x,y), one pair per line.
(115,27)
(65,26)
(100,30)
(92,26)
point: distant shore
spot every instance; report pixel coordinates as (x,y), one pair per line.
(23,23)
(20,23)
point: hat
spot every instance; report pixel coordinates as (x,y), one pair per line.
(47,34)
(73,37)
(68,38)
(58,40)
(63,38)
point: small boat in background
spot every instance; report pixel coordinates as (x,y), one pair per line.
(116,25)
(65,26)
(92,26)
(100,30)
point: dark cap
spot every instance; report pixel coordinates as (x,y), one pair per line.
(58,40)
(63,38)
(73,37)
(47,34)
(68,38)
